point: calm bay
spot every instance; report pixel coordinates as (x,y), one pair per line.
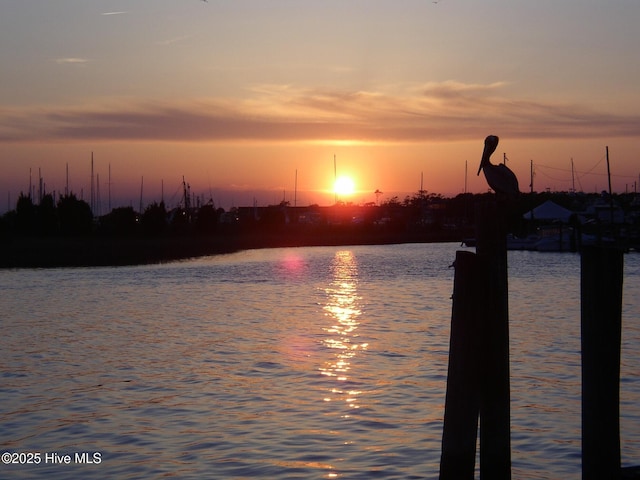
(285,363)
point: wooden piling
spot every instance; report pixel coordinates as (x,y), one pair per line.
(478,377)
(462,403)
(495,410)
(601,325)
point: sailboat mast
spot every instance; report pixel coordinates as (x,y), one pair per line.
(608,171)
(109,186)
(465,175)
(609,178)
(185,194)
(531,176)
(93,194)
(141,189)
(98,200)
(335,179)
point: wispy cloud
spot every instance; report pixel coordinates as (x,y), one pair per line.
(274,113)
(71,61)
(171,41)
(112,13)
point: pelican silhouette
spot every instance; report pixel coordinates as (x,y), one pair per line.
(499,177)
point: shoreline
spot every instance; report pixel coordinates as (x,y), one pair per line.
(96,251)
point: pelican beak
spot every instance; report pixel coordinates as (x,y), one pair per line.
(486,154)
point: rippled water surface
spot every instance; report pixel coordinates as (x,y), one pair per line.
(300,363)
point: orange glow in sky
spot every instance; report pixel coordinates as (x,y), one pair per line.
(251,101)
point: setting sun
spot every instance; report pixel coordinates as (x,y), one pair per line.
(344,186)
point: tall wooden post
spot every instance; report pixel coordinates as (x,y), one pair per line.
(462,404)
(495,411)
(601,325)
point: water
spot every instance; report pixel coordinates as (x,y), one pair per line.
(301,363)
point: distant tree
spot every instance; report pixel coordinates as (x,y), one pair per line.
(120,221)
(461,208)
(391,202)
(47,216)
(7,223)
(75,216)
(179,220)
(421,198)
(25,215)
(154,219)
(207,220)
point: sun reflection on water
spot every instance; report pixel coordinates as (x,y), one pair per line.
(342,308)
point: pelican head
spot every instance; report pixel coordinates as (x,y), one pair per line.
(499,177)
(490,145)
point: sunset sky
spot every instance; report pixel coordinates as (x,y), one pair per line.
(239,95)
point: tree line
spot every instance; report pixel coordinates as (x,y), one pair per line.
(71,216)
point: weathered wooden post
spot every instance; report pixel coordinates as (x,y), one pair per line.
(484,311)
(601,330)
(491,246)
(462,404)
(495,411)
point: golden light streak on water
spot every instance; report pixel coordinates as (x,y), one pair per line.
(342,310)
